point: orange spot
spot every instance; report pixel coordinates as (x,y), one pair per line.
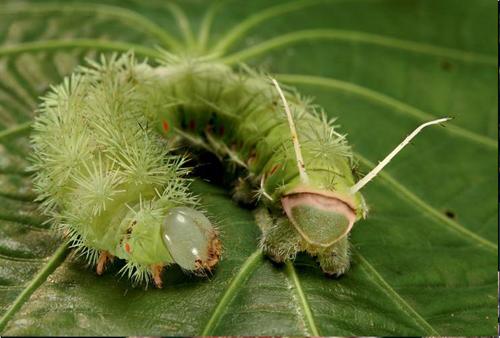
(127,248)
(165,125)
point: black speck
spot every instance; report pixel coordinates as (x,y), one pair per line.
(446,65)
(450,214)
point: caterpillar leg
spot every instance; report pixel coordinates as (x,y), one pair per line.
(335,260)
(104,258)
(281,242)
(278,240)
(156,269)
(243,191)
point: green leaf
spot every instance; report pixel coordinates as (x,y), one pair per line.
(425,260)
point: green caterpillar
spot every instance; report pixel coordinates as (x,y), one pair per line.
(107,175)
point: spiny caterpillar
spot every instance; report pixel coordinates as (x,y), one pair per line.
(107,175)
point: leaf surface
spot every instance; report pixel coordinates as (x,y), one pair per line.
(423,263)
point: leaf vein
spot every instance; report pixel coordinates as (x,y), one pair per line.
(35,46)
(358,37)
(452,224)
(391,293)
(241,28)
(246,269)
(126,15)
(386,100)
(56,259)
(304,305)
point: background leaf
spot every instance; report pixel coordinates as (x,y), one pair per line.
(424,262)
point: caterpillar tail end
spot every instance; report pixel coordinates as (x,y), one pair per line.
(213,257)
(192,240)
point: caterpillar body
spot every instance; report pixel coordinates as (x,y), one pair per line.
(106,173)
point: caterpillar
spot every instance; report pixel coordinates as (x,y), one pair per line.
(107,172)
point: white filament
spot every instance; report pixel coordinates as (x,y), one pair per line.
(362,182)
(295,140)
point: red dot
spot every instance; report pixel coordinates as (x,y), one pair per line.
(127,248)
(192,124)
(166,127)
(221,130)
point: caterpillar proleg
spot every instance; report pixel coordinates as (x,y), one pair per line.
(106,172)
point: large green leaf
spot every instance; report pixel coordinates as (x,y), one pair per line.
(424,262)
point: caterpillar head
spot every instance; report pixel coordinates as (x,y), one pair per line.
(191,239)
(310,211)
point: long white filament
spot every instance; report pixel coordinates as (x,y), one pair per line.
(295,140)
(362,182)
